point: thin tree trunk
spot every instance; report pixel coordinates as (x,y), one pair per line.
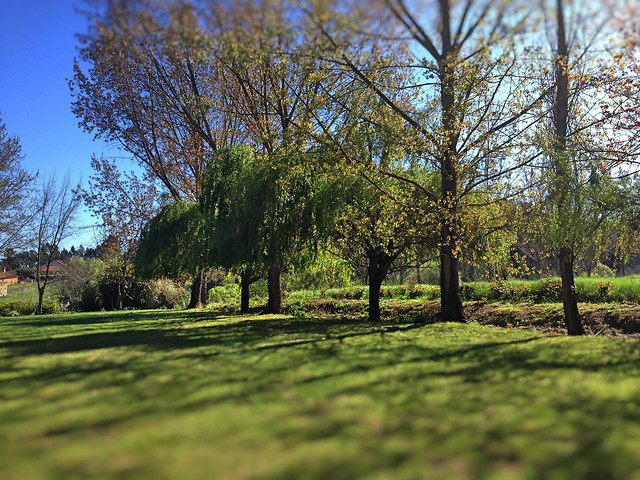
(569,299)
(40,298)
(119,296)
(565,254)
(274,282)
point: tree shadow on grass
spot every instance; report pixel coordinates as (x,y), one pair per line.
(254,360)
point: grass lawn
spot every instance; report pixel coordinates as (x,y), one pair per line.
(167,394)
(27,293)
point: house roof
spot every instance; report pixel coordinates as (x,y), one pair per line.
(5,275)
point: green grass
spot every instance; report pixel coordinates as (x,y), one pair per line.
(27,296)
(168,394)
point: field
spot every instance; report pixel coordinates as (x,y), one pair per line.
(165,394)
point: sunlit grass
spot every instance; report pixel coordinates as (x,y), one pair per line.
(205,395)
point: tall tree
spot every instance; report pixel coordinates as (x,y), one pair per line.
(153,88)
(232,221)
(460,76)
(261,211)
(57,207)
(583,191)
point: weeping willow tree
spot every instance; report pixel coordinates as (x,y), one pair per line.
(172,245)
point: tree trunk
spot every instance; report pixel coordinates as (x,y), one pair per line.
(379,264)
(450,301)
(569,299)
(245,282)
(40,299)
(274,282)
(196,290)
(565,254)
(119,296)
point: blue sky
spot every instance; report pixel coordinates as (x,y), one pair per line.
(37,48)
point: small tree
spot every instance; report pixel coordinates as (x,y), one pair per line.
(57,206)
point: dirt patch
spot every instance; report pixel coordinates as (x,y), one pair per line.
(615,320)
(612,320)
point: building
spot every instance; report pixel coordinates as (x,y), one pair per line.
(8,278)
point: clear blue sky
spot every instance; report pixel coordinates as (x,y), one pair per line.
(37,48)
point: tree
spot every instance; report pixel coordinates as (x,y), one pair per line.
(172,245)
(231,220)
(376,220)
(77,273)
(261,212)
(57,206)
(152,88)
(457,96)
(15,208)
(583,193)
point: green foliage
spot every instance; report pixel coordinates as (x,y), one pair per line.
(601,270)
(171,244)
(228,294)
(320,269)
(49,306)
(90,298)
(350,293)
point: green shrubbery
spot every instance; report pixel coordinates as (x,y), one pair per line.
(49,307)
(546,290)
(228,294)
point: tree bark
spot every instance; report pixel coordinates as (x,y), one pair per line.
(245,282)
(569,298)
(274,282)
(565,253)
(450,301)
(379,264)
(40,299)
(196,290)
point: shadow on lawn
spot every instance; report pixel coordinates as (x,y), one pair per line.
(180,330)
(311,363)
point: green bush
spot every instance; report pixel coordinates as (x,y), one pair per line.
(601,270)
(347,293)
(165,293)
(227,294)
(50,307)
(550,290)
(26,308)
(90,299)
(5,309)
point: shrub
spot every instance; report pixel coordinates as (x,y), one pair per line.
(226,294)
(603,291)
(165,293)
(90,299)
(50,307)
(347,293)
(550,290)
(5,309)
(497,288)
(601,270)
(26,308)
